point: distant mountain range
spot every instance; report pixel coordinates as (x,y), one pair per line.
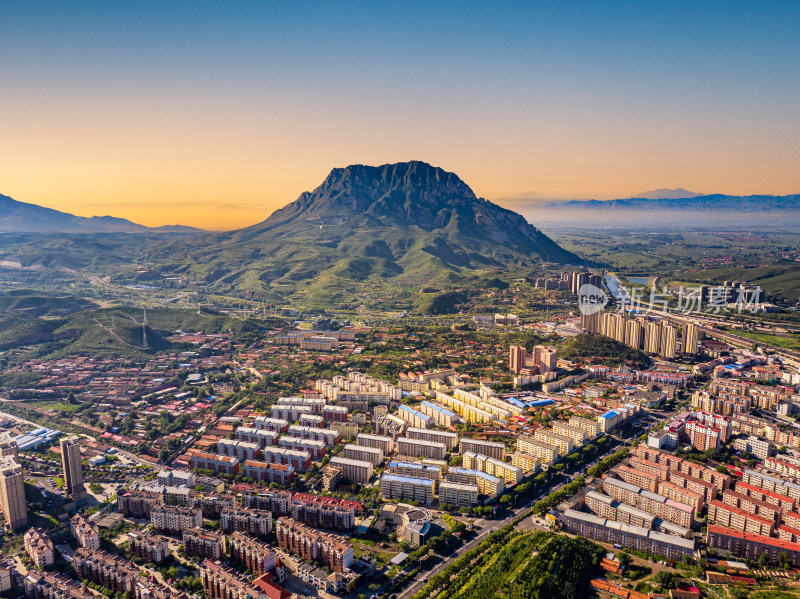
(697,203)
(666,194)
(19,217)
(410,223)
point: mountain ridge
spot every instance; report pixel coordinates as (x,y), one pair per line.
(704,203)
(665,193)
(23,217)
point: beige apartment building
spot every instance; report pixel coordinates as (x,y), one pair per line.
(563,443)
(12,493)
(544,451)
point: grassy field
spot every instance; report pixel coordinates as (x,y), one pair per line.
(56,406)
(788,342)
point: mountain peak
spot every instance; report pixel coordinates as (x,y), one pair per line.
(386,178)
(408,197)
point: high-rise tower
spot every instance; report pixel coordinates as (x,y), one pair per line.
(73,471)
(12,493)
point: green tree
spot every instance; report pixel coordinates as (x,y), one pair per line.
(663,579)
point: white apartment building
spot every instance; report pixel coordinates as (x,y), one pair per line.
(421,449)
(365,454)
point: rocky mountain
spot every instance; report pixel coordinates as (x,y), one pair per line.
(20,217)
(408,223)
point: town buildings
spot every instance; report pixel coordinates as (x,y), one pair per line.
(407,488)
(85,532)
(198,542)
(252,554)
(313,545)
(365,454)
(106,569)
(257,523)
(416,448)
(39,547)
(39,584)
(357,471)
(174,518)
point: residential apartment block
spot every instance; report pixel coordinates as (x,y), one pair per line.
(282,474)
(12,493)
(215,462)
(527,463)
(751,546)
(106,569)
(738,519)
(328,436)
(357,471)
(682,495)
(441,416)
(39,547)
(254,555)
(590,427)
(416,470)
(175,518)
(312,446)
(406,488)
(577,434)
(54,585)
(487,448)
(415,448)
(365,454)
(299,460)
(255,522)
(546,452)
(414,418)
(385,444)
(150,547)
(313,545)
(458,494)
(486,483)
(450,440)
(564,444)
(259,437)
(508,472)
(223,582)
(138,504)
(198,542)
(633,537)
(242,450)
(86,532)
(663,507)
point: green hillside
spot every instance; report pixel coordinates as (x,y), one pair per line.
(118,331)
(40,303)
(23,329)
(603,350)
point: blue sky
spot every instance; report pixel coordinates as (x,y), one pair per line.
(147,103)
